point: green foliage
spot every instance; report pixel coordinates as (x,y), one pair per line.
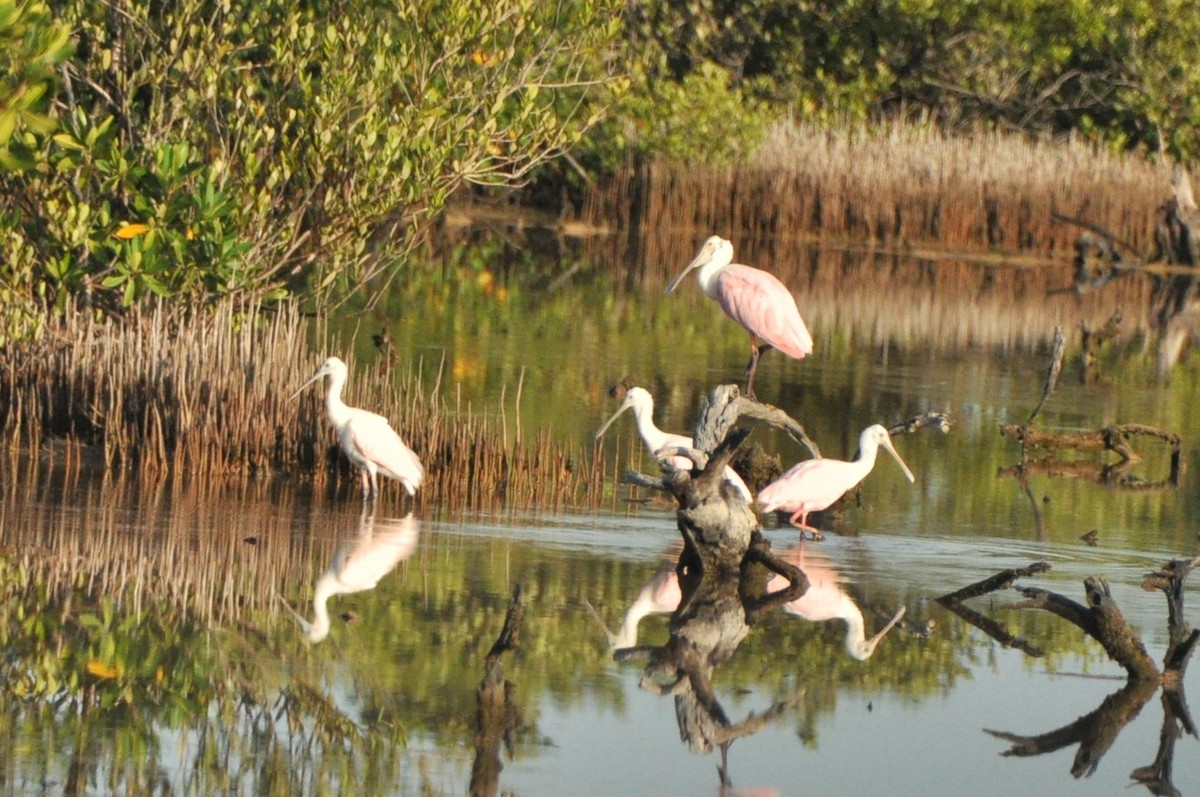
(700,118)
(258,149)
(1118,71)
(32,46)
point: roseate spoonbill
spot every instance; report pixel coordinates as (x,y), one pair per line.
(755,299)
(815,484)
(642,403)
(369,441)
(358,565)
(826,600)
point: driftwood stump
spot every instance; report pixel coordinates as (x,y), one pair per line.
(497,713)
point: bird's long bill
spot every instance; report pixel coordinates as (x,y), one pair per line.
(315,377)
(608,423)
(887,443)
(874,641)
(305,625)
(700,259)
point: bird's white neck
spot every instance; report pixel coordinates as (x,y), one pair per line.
(651,435)
(707,275)
(865,460)
(626,636)
(318,629)
(339,413)
(857,644)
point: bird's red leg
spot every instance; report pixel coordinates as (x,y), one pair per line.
(751,367)
(756,351)
(814,533)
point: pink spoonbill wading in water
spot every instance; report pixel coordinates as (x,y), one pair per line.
(815,484)
(642,403)
(755,299)
(368,440)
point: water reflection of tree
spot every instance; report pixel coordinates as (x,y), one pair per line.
(1102,620)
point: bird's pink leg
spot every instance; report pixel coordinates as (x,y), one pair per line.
(366,484)
(756,351)
(814,533)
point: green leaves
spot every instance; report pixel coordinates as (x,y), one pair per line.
(32,45)
(268,149)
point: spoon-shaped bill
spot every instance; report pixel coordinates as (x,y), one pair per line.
(703,256)
(600,432)
(887,443)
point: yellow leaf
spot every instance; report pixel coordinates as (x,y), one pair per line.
(131,230)
(158,675)
(100,669)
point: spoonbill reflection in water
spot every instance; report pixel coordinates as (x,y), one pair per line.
(660,595)
(813,485)
(826,600)
(755,299)
(358,565)
(368,440)
(642,403)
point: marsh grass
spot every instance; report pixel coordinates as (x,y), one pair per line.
(207,400)
(902,185)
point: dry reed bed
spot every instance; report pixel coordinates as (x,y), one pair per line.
(897,186)
(207,400)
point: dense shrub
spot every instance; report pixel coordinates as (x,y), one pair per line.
(258,148)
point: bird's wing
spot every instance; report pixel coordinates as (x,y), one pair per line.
(765,307)
(375,555)
(376,441)
(813,484)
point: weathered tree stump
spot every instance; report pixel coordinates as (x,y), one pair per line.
(497,713)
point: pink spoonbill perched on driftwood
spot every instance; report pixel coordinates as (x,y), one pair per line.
(755,299)
(813,485)
(642,403)
(368,440)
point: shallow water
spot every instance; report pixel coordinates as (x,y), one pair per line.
(386,703)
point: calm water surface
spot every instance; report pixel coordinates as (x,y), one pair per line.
(402,662)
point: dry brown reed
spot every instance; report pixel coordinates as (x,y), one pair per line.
(204,400)
(896,186)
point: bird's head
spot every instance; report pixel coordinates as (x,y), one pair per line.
(331,367)
(715,250)
(637,398)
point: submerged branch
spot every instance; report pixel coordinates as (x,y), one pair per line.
(1109,438)
(1102,620)
(1056,359)
(1002,580)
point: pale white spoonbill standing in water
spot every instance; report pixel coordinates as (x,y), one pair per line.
(358,565)
(813,485)
(642,403)
(826,600)
(755,299)
(369,441)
